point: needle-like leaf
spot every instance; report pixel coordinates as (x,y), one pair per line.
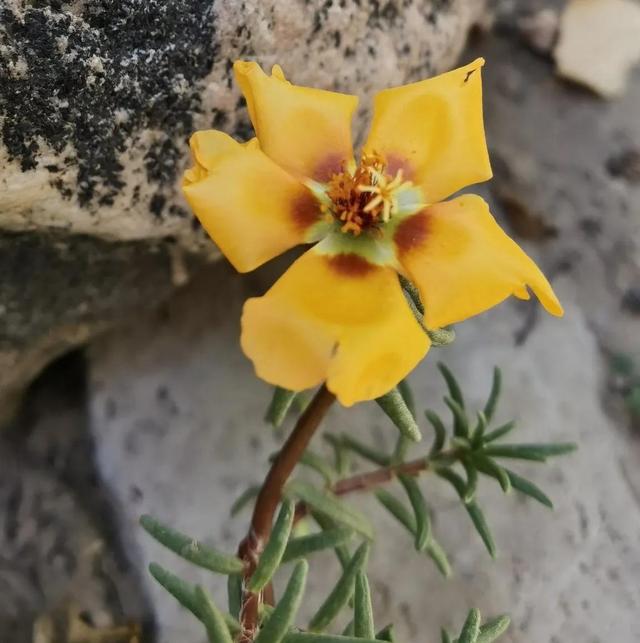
(363,626)
(213,620)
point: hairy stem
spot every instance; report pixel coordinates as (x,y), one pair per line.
(269,497)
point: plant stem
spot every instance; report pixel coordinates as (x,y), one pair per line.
(269,497)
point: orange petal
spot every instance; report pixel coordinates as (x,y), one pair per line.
(250,207)
(433,129)
(306,131)
(463,263)
(338,318)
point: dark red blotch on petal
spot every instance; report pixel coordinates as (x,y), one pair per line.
(305,210)
(350,265)
(395,163)
(412,232)
(330,165)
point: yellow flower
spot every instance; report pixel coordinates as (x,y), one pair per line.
(339,314)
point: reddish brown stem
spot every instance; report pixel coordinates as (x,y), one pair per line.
(269,497)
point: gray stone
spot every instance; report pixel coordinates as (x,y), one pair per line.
(97,102)
(177,422)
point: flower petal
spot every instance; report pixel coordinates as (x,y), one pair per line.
(306,131)
(338,318)
(433,129)
(463,262)
(250,206)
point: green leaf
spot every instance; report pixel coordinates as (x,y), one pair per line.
(244,499)
(340,453)
(318,464)
(184,593)
(274,549)
(397,510)
(471,628)
(479,431)
(305,545)
(282,617)
(279,407)
(328,504)
(191,549)
(528,488)
(475,513)
(312,637)
(341,593)
(234,594)
(534,452)
(444,636)
(491,468)
(387,633)
(493,629)
(452,384)
(326,524)
(494,396)
(460,422)
(472,481)
(364,451)
(363,626)
(499,432)
(440,432)
(398,412)
(420,511)
(214,623)
(439,557)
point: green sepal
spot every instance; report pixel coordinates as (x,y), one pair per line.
(279,623)
(305,545)
(420,511)
(441,336)
(279,406)
(396,409)
(212,618)
(387,633)
(244,499)
(471,628)
(500,432)
(475,513)
(274,549)
(533,452)
(494,395)
(407,395)
(330,505)
(341,593)
(363,627)
(411,290)
(190,549)
(440,436)
(494,629)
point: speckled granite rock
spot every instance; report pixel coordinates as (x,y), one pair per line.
(97,101)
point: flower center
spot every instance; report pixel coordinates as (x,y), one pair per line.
(365,198)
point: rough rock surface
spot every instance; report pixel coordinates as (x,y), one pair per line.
(98,99)
(176,409)
(58,548)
